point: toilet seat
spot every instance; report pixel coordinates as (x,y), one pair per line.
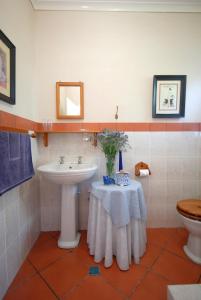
(190,208)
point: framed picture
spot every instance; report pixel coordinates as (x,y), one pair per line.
(7,69)
(169,94)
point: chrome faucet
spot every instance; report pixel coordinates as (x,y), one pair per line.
(61,160)
(79,160)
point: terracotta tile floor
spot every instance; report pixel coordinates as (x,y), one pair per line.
(53,273)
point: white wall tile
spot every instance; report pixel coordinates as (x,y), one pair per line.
(157,214)
(158,190)
(14,259)
(190,168)
(141,142)
(11,217)
(174,191)
(173,219)
(158,167)
(174,159)
(25,241)
(158,144)
(19,226)
(190,143)
(174,168)
(2,228)
(176,144)
(190,189)
(34,229)
(3,275)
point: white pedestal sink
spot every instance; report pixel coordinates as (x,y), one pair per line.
(68,176)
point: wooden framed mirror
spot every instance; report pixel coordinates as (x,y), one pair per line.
(70,100)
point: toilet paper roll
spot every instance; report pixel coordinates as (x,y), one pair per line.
(144,172)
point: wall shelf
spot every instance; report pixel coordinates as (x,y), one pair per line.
(11,122)
(46,137)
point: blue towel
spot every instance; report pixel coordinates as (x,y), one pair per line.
(15,160)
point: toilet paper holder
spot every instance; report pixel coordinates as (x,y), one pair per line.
(141,166)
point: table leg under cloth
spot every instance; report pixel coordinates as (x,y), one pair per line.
(105,239)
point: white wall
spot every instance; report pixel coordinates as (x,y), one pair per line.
(174,159)
(20,207)
(116,56)
(19,226)
(17,22)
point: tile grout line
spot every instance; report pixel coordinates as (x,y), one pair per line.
(19,284)
(46,267)
(162,276)
(199,279)
(183,258)
(149,269)
(163,250)
(76,285)
(177,255)
(43,279)
(138,284)
(49,265)
(119,291)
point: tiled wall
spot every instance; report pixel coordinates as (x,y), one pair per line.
(19,226)
(174,159)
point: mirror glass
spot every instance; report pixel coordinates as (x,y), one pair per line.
(69,100)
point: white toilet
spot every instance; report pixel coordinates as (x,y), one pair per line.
(190,212)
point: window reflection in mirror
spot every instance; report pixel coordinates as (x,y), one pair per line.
(69,98)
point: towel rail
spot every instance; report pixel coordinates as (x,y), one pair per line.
(19,130)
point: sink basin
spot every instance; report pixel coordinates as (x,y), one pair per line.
(68,175)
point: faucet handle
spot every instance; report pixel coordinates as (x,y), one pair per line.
(61,159)
(79,159)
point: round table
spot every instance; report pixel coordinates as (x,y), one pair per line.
(117,223)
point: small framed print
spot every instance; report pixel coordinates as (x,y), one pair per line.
(169,95)
(7,69)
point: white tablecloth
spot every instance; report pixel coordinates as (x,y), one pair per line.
(106,239)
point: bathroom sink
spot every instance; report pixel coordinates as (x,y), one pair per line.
(69,173)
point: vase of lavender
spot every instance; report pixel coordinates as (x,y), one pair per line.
(111,142)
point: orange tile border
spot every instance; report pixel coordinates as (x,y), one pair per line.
(157,126)
(191,126)
(174,127)
(11,122)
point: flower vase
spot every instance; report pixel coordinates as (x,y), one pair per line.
(110,164)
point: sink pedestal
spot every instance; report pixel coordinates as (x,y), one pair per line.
(68,176)
(69,237)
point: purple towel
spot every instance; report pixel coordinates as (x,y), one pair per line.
(15,160)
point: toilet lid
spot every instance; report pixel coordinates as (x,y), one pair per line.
(190,208)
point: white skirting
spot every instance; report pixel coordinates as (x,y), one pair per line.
(105,240)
